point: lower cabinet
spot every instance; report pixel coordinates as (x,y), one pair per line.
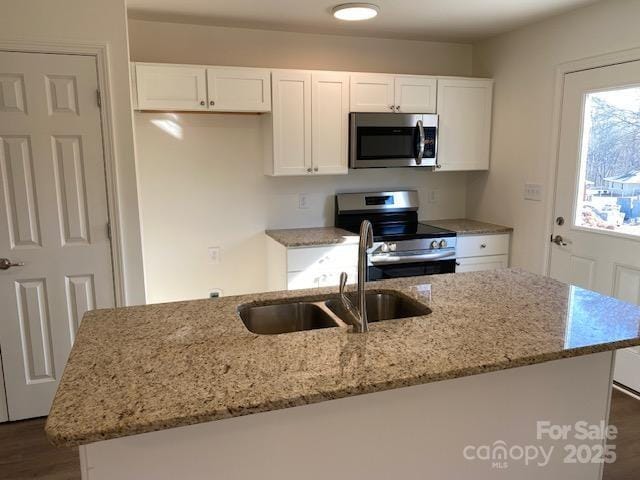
(309,267)
(482,252)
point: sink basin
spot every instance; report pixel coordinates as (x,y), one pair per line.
(382,306)
(285,318)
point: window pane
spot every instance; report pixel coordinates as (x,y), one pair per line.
(609,186)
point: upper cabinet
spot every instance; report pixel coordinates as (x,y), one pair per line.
(195,88)
(239,89)
(464,130)
(171,87)
(393,93)
(307,131)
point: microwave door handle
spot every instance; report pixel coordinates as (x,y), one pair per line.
(420,153)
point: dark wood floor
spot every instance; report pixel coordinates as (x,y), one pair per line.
(25,453)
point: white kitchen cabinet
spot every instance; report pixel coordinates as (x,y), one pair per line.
(288,128)
(200,88)
(477,264)
(372,93)
(307,130)
(330,122)
(239,89)
(171,87)
(464,130)
(393,93)
(482,252)
(415,94)
(309,267)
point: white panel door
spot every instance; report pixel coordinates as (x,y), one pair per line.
(53,218)
(415,94)
(291,112)
(464,130)
(171,87)
(239,89)
(598,191)
(372,93)
(330,122)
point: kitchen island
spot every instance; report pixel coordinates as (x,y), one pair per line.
(185,390)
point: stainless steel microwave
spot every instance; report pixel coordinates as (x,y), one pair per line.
(393,140)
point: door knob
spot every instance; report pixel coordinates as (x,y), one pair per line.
(6,264)
(558,240)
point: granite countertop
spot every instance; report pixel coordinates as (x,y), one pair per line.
(464,226)
(309,237)
(140,369)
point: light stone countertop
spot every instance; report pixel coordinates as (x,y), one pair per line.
(465,226)
(141,369)
(310,237)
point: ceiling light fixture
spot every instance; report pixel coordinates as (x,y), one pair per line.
(355,11)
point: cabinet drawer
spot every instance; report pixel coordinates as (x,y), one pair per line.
(482,245)
(477,264)
(321,258)
(315,279)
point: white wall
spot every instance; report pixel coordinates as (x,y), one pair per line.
(208,188)
(523,65)
(94,21)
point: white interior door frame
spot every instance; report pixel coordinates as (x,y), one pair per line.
(101,53)
(587,63)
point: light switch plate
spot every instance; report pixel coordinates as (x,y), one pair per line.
(214,255)
(533,191)
(303,201)
(433,196)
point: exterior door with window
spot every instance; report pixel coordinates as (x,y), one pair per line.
(596,236)
(53,219)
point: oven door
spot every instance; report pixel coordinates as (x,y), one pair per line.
(392,140)
(384,271)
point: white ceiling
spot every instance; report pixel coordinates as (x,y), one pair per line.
(455,20)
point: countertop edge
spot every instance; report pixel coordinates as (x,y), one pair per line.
(229,412)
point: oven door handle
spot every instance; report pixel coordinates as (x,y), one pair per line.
(421,139)
(389,259)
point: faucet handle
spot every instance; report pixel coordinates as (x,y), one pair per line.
(343,281)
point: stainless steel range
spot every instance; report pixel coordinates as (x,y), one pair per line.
(403,247)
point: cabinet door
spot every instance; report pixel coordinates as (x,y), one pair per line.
(171,87)
(291,123)
(464,110)
(330,122)
(478,264)
(372,93)
(239,89)
(415,94)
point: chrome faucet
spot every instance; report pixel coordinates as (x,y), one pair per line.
(359,314)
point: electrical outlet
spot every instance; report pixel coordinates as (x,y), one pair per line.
(533,191)
(433,196)
(215,293)
(214,255)
(303,201)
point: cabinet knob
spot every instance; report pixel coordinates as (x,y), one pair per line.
(212,103)
(202,102)
(398,108)
(483,245)
(309,170)
(391,107)
(315,169)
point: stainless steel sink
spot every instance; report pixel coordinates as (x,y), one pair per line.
(382,306)
(286,317)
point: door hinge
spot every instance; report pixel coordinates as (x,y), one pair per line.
(99,98)
(109,230)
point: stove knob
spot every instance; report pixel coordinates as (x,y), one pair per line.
(434,244)
(384,248)
(443,243)
(392,247)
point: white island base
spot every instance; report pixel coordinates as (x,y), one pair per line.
(420,432)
